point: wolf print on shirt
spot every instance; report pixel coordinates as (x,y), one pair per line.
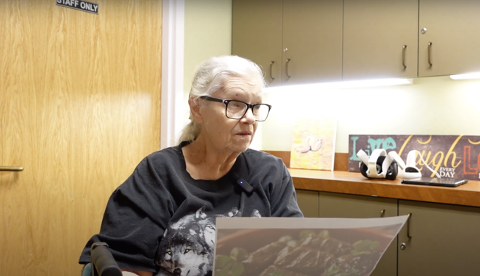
(187,245)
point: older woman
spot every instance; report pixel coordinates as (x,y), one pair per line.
(163,217)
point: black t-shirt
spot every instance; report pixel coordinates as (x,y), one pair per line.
(150,214)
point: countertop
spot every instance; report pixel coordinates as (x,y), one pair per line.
(354,183)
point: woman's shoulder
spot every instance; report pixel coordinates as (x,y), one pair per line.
(259,153)
(167,156)
(260,157)
(166,152)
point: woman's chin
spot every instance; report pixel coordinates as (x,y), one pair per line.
(240,147)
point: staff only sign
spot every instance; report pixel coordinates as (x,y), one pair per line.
(79,5)
(452,156)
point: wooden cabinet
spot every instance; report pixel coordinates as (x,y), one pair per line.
(445,240)
(336,205)
(294,41)
(380,39)
(257,35)
(308,203)
(312,41)
(384,38)
(355,206)
(302,41)
(451,42)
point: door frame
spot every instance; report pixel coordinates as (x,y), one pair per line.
(172,72)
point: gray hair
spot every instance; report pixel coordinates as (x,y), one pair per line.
(212,75)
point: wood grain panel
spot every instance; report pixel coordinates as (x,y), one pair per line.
(79,108)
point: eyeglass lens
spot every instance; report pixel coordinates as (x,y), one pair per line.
(237,109)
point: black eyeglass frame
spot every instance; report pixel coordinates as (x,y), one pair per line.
(249,106)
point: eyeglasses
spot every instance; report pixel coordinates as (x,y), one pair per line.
(237,109)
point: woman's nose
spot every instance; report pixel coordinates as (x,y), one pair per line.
(249,117)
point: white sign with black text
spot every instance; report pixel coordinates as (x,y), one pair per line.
(79,5)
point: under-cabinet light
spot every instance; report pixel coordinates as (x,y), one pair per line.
(341,85)
(468,76)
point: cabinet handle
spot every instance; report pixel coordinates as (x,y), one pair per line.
(403,246)
(271,65)
(382,213)
(286,68)
(404,49)
(11,169)
(430,53)
(408,226)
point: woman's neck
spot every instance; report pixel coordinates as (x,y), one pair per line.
(204,161)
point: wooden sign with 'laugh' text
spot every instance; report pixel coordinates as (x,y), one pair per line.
(453,156)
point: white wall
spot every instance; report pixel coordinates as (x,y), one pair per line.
(208,32)
(436,105)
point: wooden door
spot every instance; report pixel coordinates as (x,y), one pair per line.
(312,41)
(79,108)
(451,42)
(257,35)
(380,39)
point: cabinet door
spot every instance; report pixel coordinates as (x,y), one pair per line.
(312,41)
(257,35)
(452,28)
(380,39)
(444,240)
(354,206)
(308,203)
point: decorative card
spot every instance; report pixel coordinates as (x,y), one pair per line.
(313,144)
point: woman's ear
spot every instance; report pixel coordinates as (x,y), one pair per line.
(195,106)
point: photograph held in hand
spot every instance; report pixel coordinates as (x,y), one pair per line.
(301,247)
